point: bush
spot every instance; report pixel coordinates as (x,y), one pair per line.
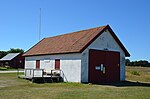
(135,73)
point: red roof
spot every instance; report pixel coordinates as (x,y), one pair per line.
(75,42)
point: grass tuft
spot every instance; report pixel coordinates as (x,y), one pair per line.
(135,73)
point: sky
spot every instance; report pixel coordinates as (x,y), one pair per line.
(129,19)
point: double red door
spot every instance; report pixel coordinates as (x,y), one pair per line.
(104,66)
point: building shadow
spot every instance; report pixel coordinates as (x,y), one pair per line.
(127,84)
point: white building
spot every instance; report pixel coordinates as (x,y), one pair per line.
(94,55)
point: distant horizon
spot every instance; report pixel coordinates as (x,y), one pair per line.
(127,18)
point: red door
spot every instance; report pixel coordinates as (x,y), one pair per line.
(37,64)
(104,66)
(57,63)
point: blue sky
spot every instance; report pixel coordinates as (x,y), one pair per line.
(130,20)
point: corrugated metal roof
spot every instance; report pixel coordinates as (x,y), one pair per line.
(9,56)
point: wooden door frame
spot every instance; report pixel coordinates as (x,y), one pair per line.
(101,51)
(37,64)
(57,60)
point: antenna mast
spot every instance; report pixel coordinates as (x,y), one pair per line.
(40,25)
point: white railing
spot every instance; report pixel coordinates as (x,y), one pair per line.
(39,73)
(34,73)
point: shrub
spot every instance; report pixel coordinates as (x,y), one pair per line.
(135,73)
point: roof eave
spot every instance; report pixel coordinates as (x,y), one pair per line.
(50,54)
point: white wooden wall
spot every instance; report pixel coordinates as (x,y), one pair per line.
(105,40)
(70,64)
(74,69)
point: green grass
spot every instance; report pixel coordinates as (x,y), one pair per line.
(3,68)
(7,68)
(135,72)
(14,88)
(143,71)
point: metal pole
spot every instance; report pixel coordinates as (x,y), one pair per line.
(40,25)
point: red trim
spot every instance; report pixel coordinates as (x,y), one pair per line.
(118,41)
(37,64)
(113,35)
(51,54)
(101,31)
(57,64)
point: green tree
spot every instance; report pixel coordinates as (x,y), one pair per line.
(17,50)
(127,62)
(144,63)
(2,54)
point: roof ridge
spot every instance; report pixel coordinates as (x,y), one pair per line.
(87,31)
(76,32)
(75,42)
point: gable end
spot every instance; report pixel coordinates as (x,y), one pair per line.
(113,35)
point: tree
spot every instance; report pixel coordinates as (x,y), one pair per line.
(2,54)
(17,50)
(12,50)
(127,62)
(143,63)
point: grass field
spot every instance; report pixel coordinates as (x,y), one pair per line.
(136,87)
